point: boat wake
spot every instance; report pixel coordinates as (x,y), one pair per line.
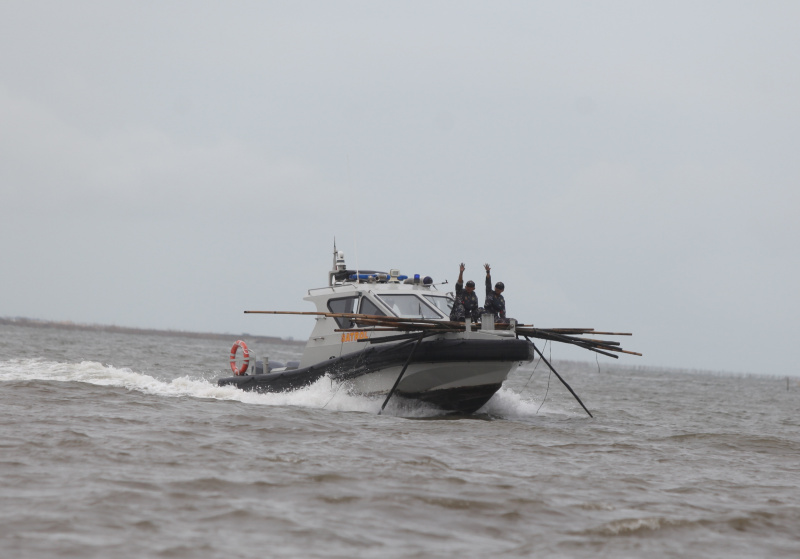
(323,394)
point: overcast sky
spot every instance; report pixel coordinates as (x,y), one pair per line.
(625,166)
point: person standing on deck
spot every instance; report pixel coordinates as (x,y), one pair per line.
(466,303)
(495,303)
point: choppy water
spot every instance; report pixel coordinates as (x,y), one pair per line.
(121,445)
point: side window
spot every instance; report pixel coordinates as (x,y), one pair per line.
(368,307)
(343,305)
(444,304)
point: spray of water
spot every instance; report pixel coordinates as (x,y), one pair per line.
(324,393)
(508,404)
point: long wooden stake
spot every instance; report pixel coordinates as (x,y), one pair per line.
(564,335)
(372,329)
(360,316)
(600,351)
(416,345)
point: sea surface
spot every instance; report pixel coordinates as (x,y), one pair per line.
(121,445)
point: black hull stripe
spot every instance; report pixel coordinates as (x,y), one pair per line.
(375,358)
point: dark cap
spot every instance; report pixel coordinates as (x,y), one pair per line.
(427,281)
(470,283)
(499,285)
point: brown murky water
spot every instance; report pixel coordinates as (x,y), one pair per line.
(121,445)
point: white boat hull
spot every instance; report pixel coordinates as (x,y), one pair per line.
(456,375)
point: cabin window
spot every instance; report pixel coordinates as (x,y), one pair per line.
(408,306)
(368,307)
(444,304)
(343,305)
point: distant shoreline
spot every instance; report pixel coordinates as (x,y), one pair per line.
(68,325)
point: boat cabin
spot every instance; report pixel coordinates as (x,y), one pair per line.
(367,292)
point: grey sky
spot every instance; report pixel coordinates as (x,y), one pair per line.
(621,165)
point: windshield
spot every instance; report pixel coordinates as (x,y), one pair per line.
(408,306)
(444,304)
(368,307)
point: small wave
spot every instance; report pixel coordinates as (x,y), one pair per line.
(630,526)
(757,443)
(752,522)
(508,404)
(596,505)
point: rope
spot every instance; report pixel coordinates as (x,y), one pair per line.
(549,376)
(533,371)
(545,394)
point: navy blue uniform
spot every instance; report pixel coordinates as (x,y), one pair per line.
(495,304)
(466,305)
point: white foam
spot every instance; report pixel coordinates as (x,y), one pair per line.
(631,525)
(512,405)
(322,394)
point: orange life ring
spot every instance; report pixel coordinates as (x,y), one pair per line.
(245,353)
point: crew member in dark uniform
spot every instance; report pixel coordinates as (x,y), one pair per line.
(495,303)
(466,303)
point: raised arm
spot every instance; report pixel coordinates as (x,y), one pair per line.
(488,278)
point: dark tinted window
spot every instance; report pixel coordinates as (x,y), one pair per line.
(343,305)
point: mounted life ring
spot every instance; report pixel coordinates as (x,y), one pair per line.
(245,353)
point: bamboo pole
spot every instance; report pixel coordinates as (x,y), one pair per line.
(367,330)
(400,376)
(386,323)
(288,312)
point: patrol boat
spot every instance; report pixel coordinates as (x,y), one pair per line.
(386,334)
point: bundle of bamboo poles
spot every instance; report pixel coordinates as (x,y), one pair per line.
(380,323)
